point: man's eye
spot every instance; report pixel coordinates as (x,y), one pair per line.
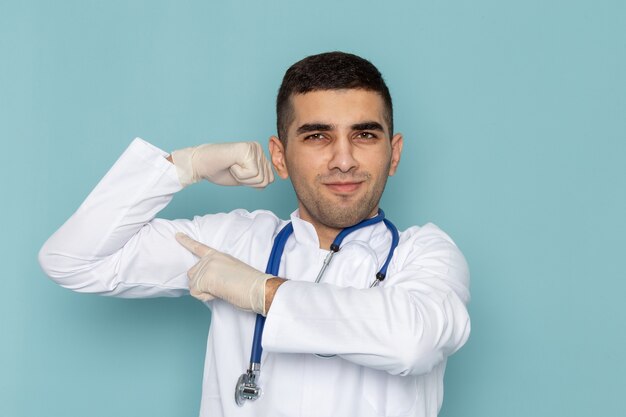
(366,135)
(315,136)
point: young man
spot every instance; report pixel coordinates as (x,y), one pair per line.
(340,347)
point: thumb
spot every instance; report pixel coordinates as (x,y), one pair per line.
(193,246)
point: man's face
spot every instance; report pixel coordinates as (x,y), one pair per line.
(338,155)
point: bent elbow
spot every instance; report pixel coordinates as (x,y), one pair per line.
(48,261)
(71,272)
(434,344)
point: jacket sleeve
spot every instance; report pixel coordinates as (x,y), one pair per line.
(112,244)
(406,326)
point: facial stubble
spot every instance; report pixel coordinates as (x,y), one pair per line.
(326,212)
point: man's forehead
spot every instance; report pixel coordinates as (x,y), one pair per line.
(335,106)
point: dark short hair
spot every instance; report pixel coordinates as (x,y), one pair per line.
(328,71)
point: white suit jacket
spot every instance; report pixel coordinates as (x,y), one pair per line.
(390,342)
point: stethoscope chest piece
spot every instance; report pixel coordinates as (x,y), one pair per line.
(246,388)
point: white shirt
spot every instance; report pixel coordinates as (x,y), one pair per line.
(391,341)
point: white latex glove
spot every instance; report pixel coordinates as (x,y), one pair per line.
(238,163)
(220,275)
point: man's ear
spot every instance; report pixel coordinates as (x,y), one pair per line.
(396,152)
(277,152)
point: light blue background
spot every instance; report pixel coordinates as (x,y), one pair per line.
(514,116)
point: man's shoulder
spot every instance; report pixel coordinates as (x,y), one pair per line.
(432,251)
(427,240)
(424,235)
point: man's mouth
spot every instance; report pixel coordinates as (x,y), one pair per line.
(344,187)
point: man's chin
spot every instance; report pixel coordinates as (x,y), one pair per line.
(342,216)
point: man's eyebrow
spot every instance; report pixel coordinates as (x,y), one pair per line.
(312,127)
(368,126)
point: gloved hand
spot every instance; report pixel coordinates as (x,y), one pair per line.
(220,275)
(238,163)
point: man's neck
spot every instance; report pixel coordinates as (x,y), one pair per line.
(325,234)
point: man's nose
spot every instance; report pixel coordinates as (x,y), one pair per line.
(343,157)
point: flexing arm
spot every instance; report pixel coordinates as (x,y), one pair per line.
(114,245)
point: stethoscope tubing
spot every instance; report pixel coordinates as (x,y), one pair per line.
(278,248)
(273,265)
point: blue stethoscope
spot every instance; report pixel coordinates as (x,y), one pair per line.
(247,388)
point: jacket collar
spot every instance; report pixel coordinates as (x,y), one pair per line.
(376,236)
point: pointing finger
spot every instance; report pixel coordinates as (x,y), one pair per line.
(193,246)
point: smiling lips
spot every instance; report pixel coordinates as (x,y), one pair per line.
(344,187)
